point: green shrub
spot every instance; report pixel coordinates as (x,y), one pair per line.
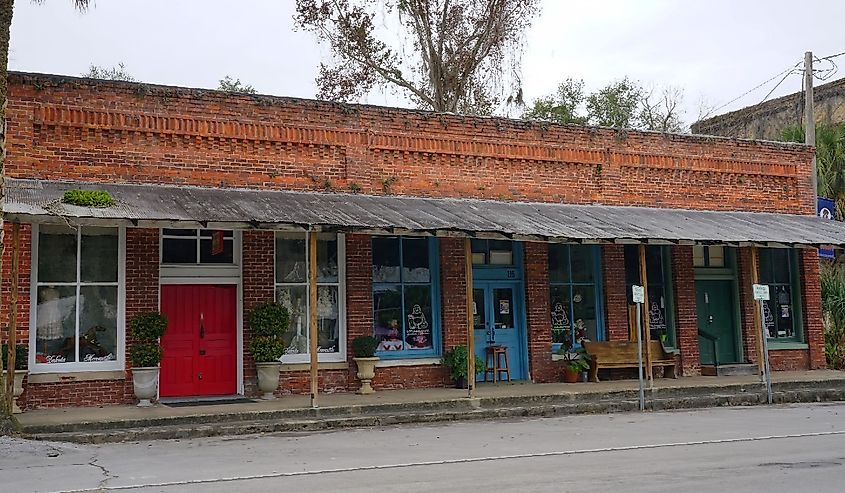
(266,349)
(20,356)
(269,320)
(88,198)
(364,346)
(148,326)
(455,360)
(145,354)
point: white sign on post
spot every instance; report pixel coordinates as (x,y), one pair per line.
(638,293)
(761,292)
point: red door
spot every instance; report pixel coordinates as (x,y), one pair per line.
(200,353)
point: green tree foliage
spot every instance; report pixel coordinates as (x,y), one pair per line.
(621,104)
(109,73)
(830,161)
(458,56)
(235,85)
(833,306)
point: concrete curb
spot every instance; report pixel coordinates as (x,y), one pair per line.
(312,420)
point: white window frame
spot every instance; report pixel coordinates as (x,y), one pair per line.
(196,270)
(80,366)
(339,356)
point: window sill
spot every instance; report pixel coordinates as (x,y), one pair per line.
(87,376)
(341,365)
(776,346)
(386,363)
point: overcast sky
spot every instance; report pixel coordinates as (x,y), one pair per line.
(715,49)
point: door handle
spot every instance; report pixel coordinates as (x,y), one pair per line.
(202,352)
(202,332)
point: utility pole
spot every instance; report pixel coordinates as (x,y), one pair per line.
(810,119)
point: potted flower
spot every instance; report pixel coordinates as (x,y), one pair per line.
(145,353)
(574,362)
(268,322)
(20,372)
(455,360)
(364,352)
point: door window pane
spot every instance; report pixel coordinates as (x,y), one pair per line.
(98,323)
(56,254)
(503,309)
(99,250)
(479,309)
(55,324)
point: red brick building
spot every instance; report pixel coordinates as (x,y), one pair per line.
(198,153)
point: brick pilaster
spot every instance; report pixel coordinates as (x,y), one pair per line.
(686,318)
(359,295)
(615,299)
(808,266)
(538,312)
(747,306)
(258,287)
(453,292)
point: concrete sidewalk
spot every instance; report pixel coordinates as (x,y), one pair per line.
(294,413)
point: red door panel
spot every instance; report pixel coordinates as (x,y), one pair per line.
(200,355)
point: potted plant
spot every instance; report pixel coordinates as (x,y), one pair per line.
(145,353)
(20,372)
(268,322)
(574,362)
(364,352)
(455,360)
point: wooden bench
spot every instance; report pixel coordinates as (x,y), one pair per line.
(623,354)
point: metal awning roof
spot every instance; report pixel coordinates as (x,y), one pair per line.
(183,206)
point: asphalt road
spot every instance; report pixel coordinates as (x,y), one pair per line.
(784,448)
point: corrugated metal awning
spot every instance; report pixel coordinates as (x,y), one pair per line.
(182,206)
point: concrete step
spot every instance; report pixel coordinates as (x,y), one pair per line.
(478,409)
(729,370)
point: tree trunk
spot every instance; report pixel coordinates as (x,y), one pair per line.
(6,9)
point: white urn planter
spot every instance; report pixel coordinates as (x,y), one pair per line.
(366,373)
(268,378)
(145,383)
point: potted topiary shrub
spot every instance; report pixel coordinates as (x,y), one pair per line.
(455,360)
(364,352)
(145,353)
(268,322)
(20,372)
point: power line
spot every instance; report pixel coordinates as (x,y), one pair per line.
(793,71)
(758,86)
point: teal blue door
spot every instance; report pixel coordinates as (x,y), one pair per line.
(498,317)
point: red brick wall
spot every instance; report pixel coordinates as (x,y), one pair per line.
(63,127)
(686,317)
(788,359)
(538,312)
(259,286)
(24,270)
(615,296)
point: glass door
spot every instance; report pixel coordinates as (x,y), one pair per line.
(496,319)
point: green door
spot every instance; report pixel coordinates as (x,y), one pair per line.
(716,322)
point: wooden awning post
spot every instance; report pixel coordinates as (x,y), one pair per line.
(646,336)
(13,317)
(758,327)
(312,313)
(470,322)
